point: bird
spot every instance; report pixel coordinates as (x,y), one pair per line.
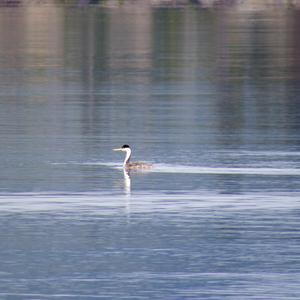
(132,165)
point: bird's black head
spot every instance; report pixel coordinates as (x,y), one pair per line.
(125,146)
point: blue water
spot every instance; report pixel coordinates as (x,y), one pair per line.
(208,96)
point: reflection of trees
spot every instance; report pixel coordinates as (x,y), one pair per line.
(80,2)
(242,5)
(232,64)
(167,41)
(293,89)
(10,3)
(86,55)
(253,74)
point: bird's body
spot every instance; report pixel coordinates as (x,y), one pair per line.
(132,165)
(138,165)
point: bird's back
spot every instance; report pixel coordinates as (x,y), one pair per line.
(138,165)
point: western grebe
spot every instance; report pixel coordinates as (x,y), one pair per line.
(131,165)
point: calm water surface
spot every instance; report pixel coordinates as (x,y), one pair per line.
(209,96)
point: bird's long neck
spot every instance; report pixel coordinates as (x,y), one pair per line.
(127,157)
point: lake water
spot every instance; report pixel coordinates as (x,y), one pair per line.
(210,96)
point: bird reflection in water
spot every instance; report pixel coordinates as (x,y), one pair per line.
(127,190)
(127,182)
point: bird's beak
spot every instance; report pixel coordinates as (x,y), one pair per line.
(117,149)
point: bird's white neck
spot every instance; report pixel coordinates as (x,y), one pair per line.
(127,157)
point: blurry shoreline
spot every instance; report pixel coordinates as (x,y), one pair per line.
(236,4)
